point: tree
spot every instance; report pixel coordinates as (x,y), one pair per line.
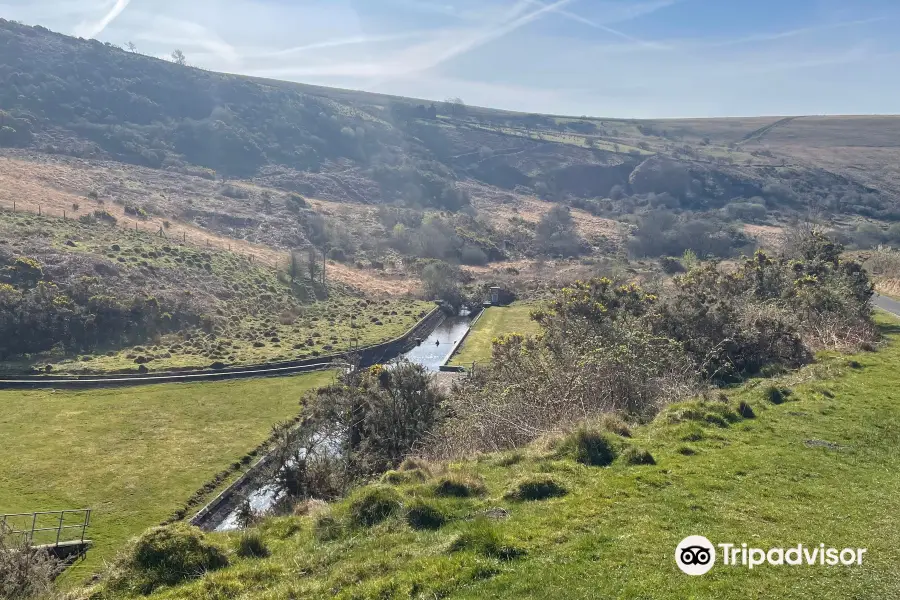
(556,235)
(131,47)
(442,282)
(294,266)
(178,58)
(312,264)
(455,107)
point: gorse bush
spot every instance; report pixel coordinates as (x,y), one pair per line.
(25,572)
(610,348)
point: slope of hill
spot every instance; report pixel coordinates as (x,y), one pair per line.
(92,100)
(86,296)
(476,529)
(386,185)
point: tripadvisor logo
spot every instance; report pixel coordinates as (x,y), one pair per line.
(696,555)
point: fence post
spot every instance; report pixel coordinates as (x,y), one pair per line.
(62,516)
(33,525)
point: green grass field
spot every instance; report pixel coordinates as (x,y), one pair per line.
(133,455)
(495,321)
(819,468)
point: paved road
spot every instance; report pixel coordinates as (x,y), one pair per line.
(888,304)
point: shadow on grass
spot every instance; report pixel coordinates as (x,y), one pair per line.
(889,328)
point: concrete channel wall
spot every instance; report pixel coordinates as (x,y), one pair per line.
(369,355)
(446,367)
(213,514)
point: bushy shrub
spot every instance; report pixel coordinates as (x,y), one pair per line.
(372,505)
(422,514)
(482,538)
(167,556)
(251,544)
(26,572)
(537,487)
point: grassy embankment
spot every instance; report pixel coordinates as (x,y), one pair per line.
(495,321)
(817,468)
(133,455)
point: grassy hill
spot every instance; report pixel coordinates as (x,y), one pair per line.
(135,456)
(86,296)
(384,186)
(812,469)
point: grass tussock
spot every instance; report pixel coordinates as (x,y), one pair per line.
(394,477)
(589,447)
(482,538)
(372,505)
(425,514)
(459,485)
(745,410)
(637,456)
(615,425)
(165,556)
(327,528)
(536,487)
(251,544)
(415,464)
(776,395)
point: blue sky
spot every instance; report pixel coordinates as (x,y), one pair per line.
(616,58)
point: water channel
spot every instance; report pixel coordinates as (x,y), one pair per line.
(431,354)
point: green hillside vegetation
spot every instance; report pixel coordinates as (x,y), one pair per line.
(736,468)
(136,456)
(85,296)
(350,146)
(495,322)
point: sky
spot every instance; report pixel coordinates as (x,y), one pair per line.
(603,58)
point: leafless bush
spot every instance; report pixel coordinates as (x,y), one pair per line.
(25,572)
(533,389)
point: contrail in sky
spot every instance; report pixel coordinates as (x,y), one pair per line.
(95,29)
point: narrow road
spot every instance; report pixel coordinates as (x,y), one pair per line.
(885,303)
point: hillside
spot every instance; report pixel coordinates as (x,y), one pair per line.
(86,99)
(385,187)
(764,475)
(86,296)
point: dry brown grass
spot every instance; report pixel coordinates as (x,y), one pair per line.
(769,236)
(53,187)
(500,208)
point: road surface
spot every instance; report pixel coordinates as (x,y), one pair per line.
(885,303)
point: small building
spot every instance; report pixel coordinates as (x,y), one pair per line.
(500,297)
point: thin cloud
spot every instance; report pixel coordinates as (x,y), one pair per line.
(90,30)
(780,35)
(180,33)
(349,41)
(639,10)
(490,35)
